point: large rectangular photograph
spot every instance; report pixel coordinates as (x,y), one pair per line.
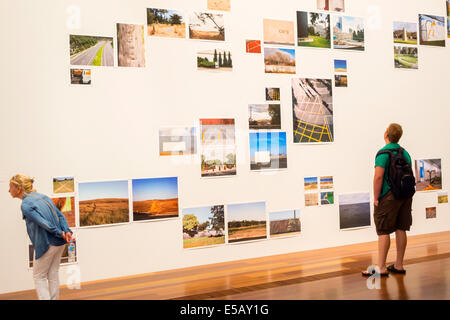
(278,32)
(206,26)
(103,203)
(246,222)
(348,33)
(405,32)
(67,207)
(406,57)
(432,30)
(354,210)
(130,45)
(268,150)
(177,141)
(214,60)
(279,60)
(165,23)
(264,116)
(218,155)
(203,226)
(284,223)
(155,198)
(312,102)
(428,175)
(313,29)
(91,51)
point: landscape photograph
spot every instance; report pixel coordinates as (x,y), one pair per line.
(214,60)
(177,141)
(432,30)
(430,213)
(103,203)
(278,32)
(155,198)
(63,185)
(264,116)
(354,210)
(279,60)
(91,50)
(268,150)
(206,26)
(272,94)
(428,175)
(405,32)
(219,5)
(253,46)
(406,57)
(130,45)
(340,65)
(443,197)
(311,184)
(246,222)
(165,23)
(203,226)
(312,101)
(313,29)
(327,198)
(67,207)
(326,182)
(348,33)
(340,80)
(284,223)
(311,199)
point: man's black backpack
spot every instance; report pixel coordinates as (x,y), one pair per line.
(400,175)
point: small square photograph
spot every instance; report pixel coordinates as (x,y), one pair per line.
(273,94)
(284,223)
(428,175)
(326,182)
(203,226)
(253,46)
(165,23)
(264,116)
(63,185)
(279,60)
(443,197)
(311,184)
(311,199)
(327,198)
(406,57)
(80,76)
(340,65)
(430,213)
(246,221)
(340,80)
(219,5)
(405,32)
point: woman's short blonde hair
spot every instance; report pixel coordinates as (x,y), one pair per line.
(26,183)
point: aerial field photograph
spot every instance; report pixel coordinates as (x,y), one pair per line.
(63,184)
(165,23)
(246,222)
(354,210)
(284,223)
(155,198)
(91,50)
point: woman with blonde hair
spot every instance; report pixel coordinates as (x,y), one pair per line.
(48,231)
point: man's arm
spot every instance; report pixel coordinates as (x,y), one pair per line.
(377,183)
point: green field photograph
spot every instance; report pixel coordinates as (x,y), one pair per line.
(203,226)
(313,30)
(246,222)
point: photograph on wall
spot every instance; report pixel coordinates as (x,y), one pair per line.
(264,116)
(203,226)
(311,199)
(91,51)
(311,184)
(327,198)
(268,151)
(443,197)
(219,5)
(103,203)
(65,259)
(340,80)
(253,46)
(155,198)
(284,223)
(63,184)
(279,60)
(428,175)
(312,110)
(278,32)
(313,29)
(272,94)
(448,18)
(340,65)
(130,45)
(246,222)
(430,213)
(214,60)
(206,26)
(405,32)
(406,57)
(354,210)
(177,141)
(67,207)
(348,33)
(432,30)
(331,5)
(80,76)
(218,147)
(326,182)
(165,23)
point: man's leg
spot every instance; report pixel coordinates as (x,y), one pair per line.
(401,241)
(384,242)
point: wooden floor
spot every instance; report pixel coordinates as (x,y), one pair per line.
(332,273)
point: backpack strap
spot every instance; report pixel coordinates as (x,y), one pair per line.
(51,208)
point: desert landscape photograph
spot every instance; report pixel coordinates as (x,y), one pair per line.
(165,23)
(130,45)
(284,223)
(207,26)
(63,185)
(246,222)
(442,197)
(103,203)
(155,198)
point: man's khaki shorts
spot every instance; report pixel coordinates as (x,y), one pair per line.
(392,214)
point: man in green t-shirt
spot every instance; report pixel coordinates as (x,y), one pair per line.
(390,214)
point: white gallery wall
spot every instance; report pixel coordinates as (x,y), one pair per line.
(109,130)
